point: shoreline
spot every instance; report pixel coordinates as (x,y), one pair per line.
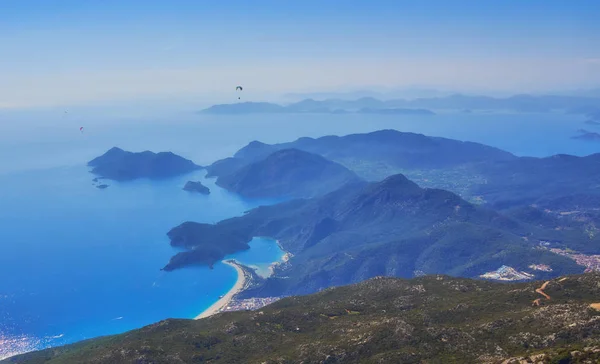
(226,299)
(244,279)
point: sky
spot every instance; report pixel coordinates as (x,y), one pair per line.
(70,52)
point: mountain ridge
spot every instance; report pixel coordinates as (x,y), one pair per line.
(341,237)
(479,173)
(387,150)
(287,173)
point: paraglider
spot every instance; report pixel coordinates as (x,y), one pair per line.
(81,129)
(239,88)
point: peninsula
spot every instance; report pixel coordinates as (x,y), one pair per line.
(367,229)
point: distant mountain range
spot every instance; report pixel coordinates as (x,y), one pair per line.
(436,319)
(422,106)
(477,172)
(375,155)
(406,93)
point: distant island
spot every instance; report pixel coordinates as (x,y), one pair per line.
(119,165)
(422,106)
(587,136)
(196,186)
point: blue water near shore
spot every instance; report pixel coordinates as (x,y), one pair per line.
(262,254)
(78,262)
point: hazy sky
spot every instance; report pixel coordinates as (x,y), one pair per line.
(73,51)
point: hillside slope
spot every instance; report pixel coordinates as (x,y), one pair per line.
(434,319)
(289,173)
(375,155)
(362,230)
(477,172)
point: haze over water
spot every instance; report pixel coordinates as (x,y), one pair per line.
(78,262)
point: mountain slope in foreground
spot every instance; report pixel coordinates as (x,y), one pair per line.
(433,319)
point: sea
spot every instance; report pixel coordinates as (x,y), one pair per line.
(78,262)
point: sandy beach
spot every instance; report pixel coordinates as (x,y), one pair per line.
(223,302)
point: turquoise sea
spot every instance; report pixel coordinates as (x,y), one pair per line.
(78,262)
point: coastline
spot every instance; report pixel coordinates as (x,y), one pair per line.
(283,260)
(226,299)
(246,277)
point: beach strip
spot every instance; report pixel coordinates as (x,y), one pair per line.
(224,302)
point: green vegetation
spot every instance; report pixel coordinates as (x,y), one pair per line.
(375,155)
(480,174)
(432,319)
(288,173)
(553,199)
(390,228)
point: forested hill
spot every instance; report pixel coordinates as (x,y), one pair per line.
(392,227)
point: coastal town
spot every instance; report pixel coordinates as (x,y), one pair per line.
(249,277)
(249,304)
(505,273)
(246,278)
(590,262)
